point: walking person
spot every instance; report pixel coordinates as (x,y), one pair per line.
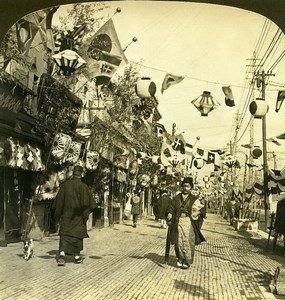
(183,215)
(163,204)
(72,206)
(136,207)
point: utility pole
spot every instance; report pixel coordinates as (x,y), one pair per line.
(260,78)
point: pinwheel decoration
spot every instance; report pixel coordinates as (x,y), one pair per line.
(205,103)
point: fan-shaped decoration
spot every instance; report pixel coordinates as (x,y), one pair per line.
(145,88)
(60,145)
(205,103)
(73,152)
(258,108)
(92,160)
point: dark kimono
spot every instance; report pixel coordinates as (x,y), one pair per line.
(72,207)
(184,231)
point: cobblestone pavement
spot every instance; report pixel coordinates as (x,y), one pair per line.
(126,263)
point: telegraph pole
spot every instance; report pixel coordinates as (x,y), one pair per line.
(261,76)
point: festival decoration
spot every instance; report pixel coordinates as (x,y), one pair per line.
(68,61)
(92,160)
(205,103)
(256,152)
(145,88)
(60,145)
(258,108)
(169,80)
(73,152)
(279,101)
(229,98)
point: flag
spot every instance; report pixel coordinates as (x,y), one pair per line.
(169,80)
(211,158)
(70,39)
(105,54)
(280,99)
(229,98)
(25,32)
(281,136)
(272,140)
(200,152)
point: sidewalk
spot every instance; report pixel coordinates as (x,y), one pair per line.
(126,263)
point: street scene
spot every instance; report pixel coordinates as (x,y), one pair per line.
(123,262)
(142,150)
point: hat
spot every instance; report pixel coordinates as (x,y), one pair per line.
(188,180)
(77,171)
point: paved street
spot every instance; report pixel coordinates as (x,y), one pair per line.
(128,263)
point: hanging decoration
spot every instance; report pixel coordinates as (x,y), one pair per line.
(205,103)
(279,101)
(170,80)
(256,152)
(60,145)
(229,98)
(73,152)
(145,88)
(92,160)
(258,108)
(68,61)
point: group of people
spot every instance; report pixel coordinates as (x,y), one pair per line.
(183,213)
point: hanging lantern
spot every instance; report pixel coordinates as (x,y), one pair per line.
(258,108)
(145,88)
(256,152)
(198,163)
(68,61)
(205,103)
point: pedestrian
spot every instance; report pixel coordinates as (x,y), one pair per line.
(183,230)
(136,207)
(163,204)
(72,206)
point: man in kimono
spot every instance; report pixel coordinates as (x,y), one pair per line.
(72,207)
(184,217)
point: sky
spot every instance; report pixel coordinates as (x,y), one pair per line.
(212,46)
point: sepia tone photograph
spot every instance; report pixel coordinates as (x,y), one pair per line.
(142,150)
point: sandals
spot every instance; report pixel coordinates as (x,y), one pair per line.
(78,260)
(61,261)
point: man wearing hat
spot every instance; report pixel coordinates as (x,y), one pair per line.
(183,231)
(72,207)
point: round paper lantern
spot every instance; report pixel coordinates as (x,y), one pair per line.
(145,88)
(256,152)
(258,108)
(198,163)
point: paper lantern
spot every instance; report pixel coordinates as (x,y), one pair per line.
(198,163)
(258,108)
(145,88)
(205,103)
(68,61)
(256,152)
